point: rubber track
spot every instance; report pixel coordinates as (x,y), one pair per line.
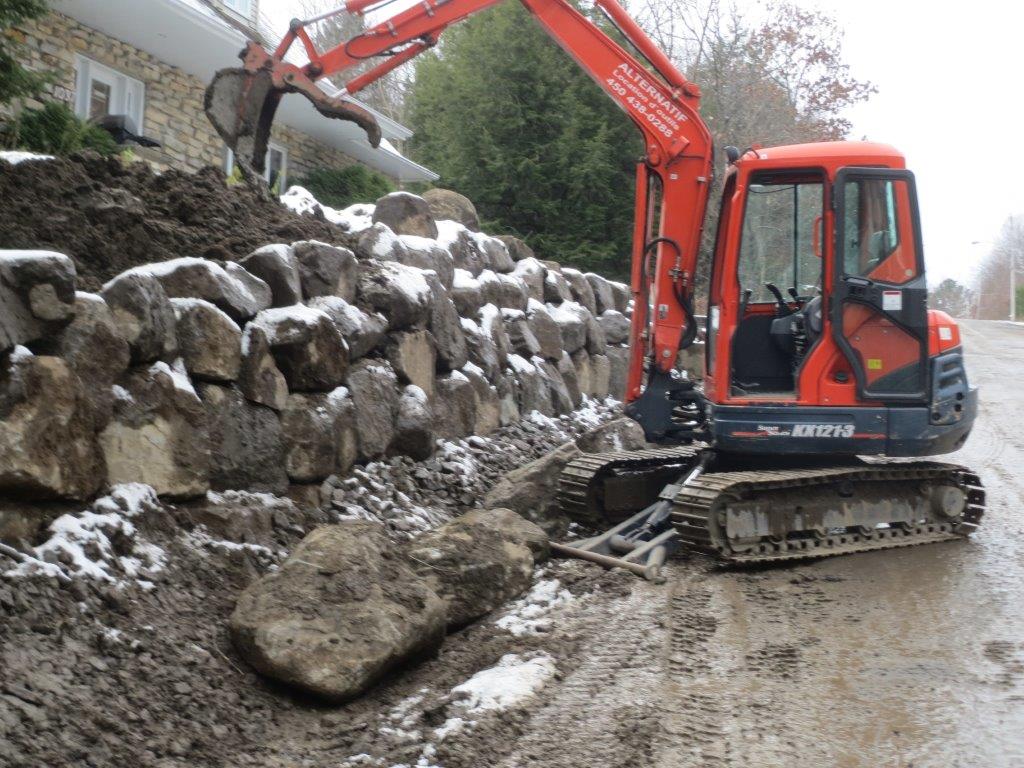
(580,474)
(694,503)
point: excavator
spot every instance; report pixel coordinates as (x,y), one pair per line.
(824,369)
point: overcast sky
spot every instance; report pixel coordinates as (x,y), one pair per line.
(950,97)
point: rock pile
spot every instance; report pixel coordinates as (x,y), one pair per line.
(295,363)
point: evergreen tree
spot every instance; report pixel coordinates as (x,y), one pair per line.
(508,119)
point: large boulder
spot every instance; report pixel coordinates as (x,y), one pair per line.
(532,388)
(343,610)
(405,214)
(481,348)
(446,205)
(531,272)
(595,335)
(467,293)
(277,266)
(615,326)
(306,346)
(413,356)
(479,561)
(567,370)
(209,341)
(48,427)
(445,326)
(143,315)
(201,279)
(37,292)
(260,291)
(556,289)
(374,388)
(429,256)
(581,362)
(622,434)
(454,407)
(414,426)
(492,324)
(600,376)
(246,450)
(517,249)
(159,434)
(532,490)
(326,270)
(488,402)
(508,400)
(582,293)
(604,298)
(362,331)
(618,359)
(561,399)
(319,433)
(520,334)
(379,243)
(259,378)
(572,320)
(621,296)
(466,247)
(93,347)
(398,292)
(545,330)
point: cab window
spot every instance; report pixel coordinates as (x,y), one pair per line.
(877,239)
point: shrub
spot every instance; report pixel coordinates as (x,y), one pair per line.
(56,130)
(341,187)
(15,80)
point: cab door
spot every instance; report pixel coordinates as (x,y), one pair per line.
(879,300)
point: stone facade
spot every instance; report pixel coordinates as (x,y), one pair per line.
(173,98)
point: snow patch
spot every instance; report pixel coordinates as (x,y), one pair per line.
(529,615)
(14,157)
(355,218)
(510,683)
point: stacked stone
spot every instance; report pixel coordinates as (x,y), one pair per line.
(295,363)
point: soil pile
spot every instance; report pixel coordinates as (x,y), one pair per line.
(109,216)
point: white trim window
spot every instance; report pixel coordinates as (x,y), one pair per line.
(276,170)
(102,91)
(242,7)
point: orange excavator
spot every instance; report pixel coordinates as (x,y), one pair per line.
(821,355)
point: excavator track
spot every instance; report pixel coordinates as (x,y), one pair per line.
(701,509)
(582,490)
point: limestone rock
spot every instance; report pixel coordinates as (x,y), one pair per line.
(615,325)
(582,293)
(479,561)
(201,279)
(571,319)
(481,348)
(455,407)
(618,358)
(465,247)
(246,450)
(260,291)
(466,293)
(621,296)
(326,270)
(604,298)
(561,400)
(508,401)
(622,434)
(143,315)
(362,331)
(209,341)
(414,427)
(428,255)
(567,370)
(342,611)
(398,292)
(556,289)
(517,249)
(259,378)
(159,434)
(582,362)
(306,346)
(524,343)
(379,243)
(445,326)
(374,389)
(277,266)
(532,490)
(413,356)
(48,443)
(488,402)
(405,214)
(93,347)
(319,433)
(37,291)
(446,205)
(600,381)
(531,272)
(492,325)
(596,342)
(534,392)
(545,330)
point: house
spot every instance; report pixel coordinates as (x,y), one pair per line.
(151,60)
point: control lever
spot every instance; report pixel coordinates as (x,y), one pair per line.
(792,292)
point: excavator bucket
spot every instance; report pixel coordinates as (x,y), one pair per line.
(241,103)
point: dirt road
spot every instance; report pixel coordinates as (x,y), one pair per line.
(901,658)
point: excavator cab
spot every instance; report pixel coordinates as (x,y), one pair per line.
(819,337)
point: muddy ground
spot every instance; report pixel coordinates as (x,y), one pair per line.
(901,658)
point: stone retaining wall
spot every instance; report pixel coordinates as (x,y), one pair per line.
(289,367)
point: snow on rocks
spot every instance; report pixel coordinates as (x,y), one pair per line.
(277,267)
(306,346)
(531,614)
(352,219)
(398,292)
(37,291)
(405,214)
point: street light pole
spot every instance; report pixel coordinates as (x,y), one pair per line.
(1013,285)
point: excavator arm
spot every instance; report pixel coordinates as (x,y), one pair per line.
(673,177)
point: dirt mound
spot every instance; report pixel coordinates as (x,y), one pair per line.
(108,216)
